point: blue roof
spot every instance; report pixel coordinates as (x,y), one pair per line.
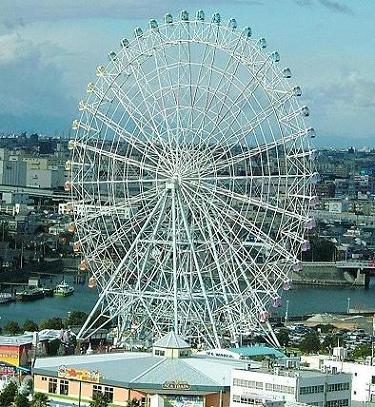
(257,350)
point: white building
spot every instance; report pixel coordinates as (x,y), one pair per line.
(363,378)
(314,388)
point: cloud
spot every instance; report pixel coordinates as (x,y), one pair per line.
(332,5)
(31,87)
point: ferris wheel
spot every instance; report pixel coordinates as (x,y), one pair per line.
(192,179)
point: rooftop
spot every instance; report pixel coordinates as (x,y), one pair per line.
(171,341)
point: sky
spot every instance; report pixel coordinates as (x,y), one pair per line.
(49,50)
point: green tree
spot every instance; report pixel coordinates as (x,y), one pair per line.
(99,400)
(320,250)
(310,343)
(134,403)
(362,351)
(53,347)
(12,328)
(331,341)
(8,395)
(75,318)
(52,323)
(21,401)
(40,400)
(30,326)
(283,337)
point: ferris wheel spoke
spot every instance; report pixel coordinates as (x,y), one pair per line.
(125,135)
(134,112)
(221,164)
(248,225)
(198,269)
(217,223)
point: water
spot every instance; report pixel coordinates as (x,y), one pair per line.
(302,301)
(82,299)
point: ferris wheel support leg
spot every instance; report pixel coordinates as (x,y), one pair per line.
(118,269)
(271,334)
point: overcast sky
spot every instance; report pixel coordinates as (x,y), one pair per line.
(49,50)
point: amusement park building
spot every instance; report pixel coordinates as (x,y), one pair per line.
(170,375)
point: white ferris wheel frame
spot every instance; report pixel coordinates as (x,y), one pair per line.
(220,161)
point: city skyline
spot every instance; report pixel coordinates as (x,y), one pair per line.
(49,54)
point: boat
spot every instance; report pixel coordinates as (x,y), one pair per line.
(48,291)
(63,290)
(5,298)
(29,294)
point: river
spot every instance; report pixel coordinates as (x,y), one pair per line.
(302,301)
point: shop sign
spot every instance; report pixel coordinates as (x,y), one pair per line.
(83,375)
(176,385)
(10,355)
(7,370)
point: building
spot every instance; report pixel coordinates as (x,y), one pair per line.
(315,388)
(363,378)
(169,375)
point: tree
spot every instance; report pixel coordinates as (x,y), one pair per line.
(52,323)
(320,250)
(134,403)
(8,394)
(75,318)
(12,328)
(30,326)
(283,337)
(21,401)
(99,400)
(40,400)
(331,341)
(362,351)
(53,347)
(310,343)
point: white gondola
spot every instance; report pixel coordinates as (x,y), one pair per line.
(247,32)
(297,267)
(310,224)
(232,24)
(199,15)
(305,246)
(77,247)
(262,43)
(124,43)
(100,70)
(153,24)
(68,186)
(297,91)
(311,132)
(305,111)
(184,15)
(68,165)
(168,18)
(83,265)
(90,87)
(275,56)
(92,282)
(71,227)
(276,302)
(287,73)
(287,285)
(112,56)
(263,316)
(216,18)
(138,33)
(75,124)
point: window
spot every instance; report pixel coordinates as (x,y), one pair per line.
(338,386)
(373,380)
(311,389)
(159,352)
(44,379)
(337,403)
(96,389)
(108,392)
(52,385)
(64,387)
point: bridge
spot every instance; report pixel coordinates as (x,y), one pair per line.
(359,271)
(37,192)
